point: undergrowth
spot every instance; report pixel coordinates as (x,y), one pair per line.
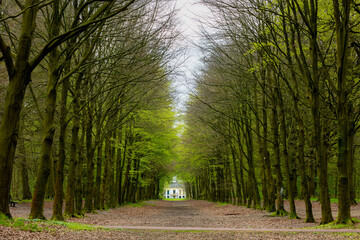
(334,225)
(37,225)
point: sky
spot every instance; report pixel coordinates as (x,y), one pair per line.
(189,13)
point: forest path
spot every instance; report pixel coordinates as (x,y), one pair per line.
(189,219)
(195,215)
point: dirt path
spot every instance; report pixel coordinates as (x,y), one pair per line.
(193,214)
(193,219)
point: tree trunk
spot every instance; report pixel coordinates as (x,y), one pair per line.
(19,77)
(280,211)
(59,188)
(97,190)
(351,167)
(70,189)
(26,194)
(289,180)
(342,23)
(236,175)
(119,166)
(103,203)
(270,181)
(49,127)
(89,187)
(79,174)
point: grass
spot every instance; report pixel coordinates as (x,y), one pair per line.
(334,225)
(175,199)
(37,225)
(20,223)
(137,204)
(74,226)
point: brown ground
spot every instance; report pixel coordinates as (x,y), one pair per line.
(170,219)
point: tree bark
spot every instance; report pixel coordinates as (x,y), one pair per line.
(48,126)
(342,22)
(19,77)
(289,180)
(59,188)
(26,194)
(79,174)
(89,187)
(280,211)
(70,189)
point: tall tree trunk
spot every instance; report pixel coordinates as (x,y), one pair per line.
(79,174)
(119,165)
(289,180)
(241,162)
(70,189)
(304,178)
(89,187)
(109,170)
(103,203)
(112,198)
(342,23)
(37,204)
(19,77)
(270,181)
(128,165)
(252,183)
(59,189)
(261,154)
(236,175)
(280,211)
(97,190)
(351,166)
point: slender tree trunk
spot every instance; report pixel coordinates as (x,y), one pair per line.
(304,177)
(119,166)
(279,181)
(89,187)
(289,180)
(112,198)
(270,181)
(97,190)
(351,167)
(109,170)
(104,180)
(128,166)
(236,175)
(342,23)
(79,174)
(73,166)
(59,189)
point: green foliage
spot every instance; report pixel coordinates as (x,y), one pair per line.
(32,227)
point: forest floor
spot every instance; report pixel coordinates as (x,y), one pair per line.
(189,219)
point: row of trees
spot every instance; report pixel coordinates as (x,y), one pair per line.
(276,108)
(88,102)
